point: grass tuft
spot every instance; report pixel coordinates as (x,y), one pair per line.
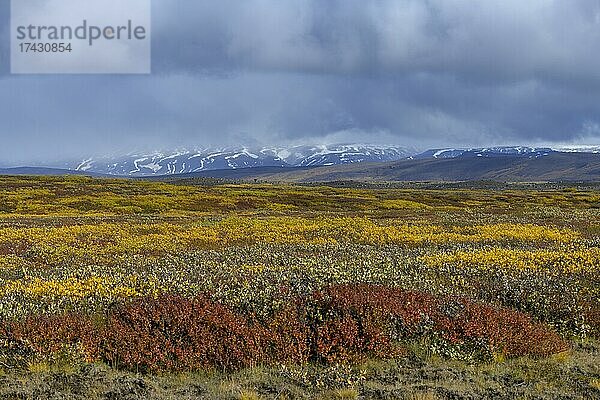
(249,395)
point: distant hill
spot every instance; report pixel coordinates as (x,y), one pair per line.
(356,163)
(43,171)
(552,167)
(498,151)
(234,174)
(508,168)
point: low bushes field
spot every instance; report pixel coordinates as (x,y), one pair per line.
(309,291)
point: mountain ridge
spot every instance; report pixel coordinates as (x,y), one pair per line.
(190,161)
(213,159)
(345,162)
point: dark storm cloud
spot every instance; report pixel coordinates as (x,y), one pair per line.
(490,41)
(416,72)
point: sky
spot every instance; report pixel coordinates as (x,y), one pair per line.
(420,73)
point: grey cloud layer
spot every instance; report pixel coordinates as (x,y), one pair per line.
(509,39)
(436,72)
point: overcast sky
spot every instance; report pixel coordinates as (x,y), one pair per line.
(425,73)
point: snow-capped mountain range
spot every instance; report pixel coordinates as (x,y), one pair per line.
(189,161)
(209,159)
(498,151)
(487,152)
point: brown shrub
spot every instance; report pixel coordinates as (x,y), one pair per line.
(591,315)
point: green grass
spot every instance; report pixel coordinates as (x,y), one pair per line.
(571,376)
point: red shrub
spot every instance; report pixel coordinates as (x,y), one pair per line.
(285,337)
(174,333)
(344,327)
(381,314)
(47,335)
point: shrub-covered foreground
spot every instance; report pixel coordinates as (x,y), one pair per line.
(293,282)
(338,324)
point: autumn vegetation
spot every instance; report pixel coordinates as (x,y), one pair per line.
(154,277)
